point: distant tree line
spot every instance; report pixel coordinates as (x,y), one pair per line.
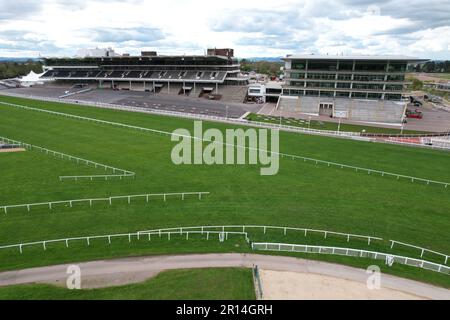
(15,69)
(432,67)
(270,68)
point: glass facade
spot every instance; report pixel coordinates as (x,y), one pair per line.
(365,79)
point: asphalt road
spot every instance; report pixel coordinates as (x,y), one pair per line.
(159,101)
(130,270)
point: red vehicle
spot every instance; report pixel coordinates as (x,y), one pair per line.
(416,114)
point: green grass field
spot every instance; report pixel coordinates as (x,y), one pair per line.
(301,195)
(193,284)
(320,125)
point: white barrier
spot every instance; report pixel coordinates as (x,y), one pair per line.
(121,173)
(423,250)
(283,155)
(109,200)
(285,247)
(328,133)
(221,237)
(245,228)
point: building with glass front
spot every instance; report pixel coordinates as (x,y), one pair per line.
(321,80)
(363,77)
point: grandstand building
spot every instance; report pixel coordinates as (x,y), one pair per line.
(363,88)
(151,72)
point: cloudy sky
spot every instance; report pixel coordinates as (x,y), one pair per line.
(255,28)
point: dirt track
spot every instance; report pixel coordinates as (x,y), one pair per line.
(131,270)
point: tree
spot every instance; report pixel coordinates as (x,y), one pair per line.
(417,84)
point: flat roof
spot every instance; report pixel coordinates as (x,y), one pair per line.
(353,57)
(188,57)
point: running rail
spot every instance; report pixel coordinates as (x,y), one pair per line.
(283,155)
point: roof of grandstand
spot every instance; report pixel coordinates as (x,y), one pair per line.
(353,57)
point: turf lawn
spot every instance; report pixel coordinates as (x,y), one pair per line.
(193,284)
(321,125)
(300,195)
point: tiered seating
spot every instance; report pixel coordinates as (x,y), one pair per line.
(103,74)
(220,76)
(235,94)
(371,110)
(94,74)
(133,74)
(79,74)
(293,104)
(62,74)
(48,74)
(115,74)
(167,75)
(190,75)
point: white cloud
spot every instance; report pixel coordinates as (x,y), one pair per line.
(252,27)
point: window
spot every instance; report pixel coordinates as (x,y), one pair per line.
(344,85)
(299,64)
(372,95)
(322,65)
(342,94)
(346,66)
(345,77)
(296,75)
(397,67)
(370,66)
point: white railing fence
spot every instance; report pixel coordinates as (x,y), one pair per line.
(329,133)
(422,250)
(223,233)
(109,200)
(285,247)
(220,236)
(264,229)
(117,172)
(282,155)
